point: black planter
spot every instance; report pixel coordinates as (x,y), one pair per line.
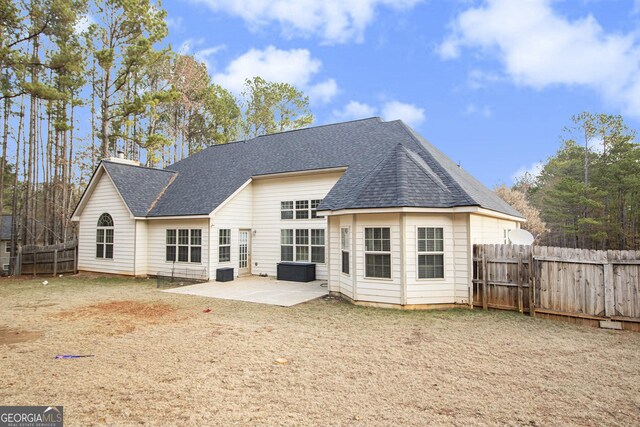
(297,271)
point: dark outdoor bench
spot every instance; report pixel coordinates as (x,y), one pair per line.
(297,271)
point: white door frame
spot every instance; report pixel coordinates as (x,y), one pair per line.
(244,265)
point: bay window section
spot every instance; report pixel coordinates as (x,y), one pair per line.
(430,253)
(377,253)
(345,244)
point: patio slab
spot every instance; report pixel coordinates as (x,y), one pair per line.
(262,290)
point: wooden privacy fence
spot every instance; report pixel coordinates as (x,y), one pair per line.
(578,285)
(54,259)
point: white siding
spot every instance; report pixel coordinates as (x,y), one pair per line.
(5,257)
(105,199)
(156,245)
(339,281)
(454,287)
(141,248)
(235,215)
(267,195)
(372,289)
(489,230)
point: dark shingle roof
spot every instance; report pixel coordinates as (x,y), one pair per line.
(138,186)
(388,165)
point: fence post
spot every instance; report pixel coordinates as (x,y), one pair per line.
(18,263)
(35,262)
(520,293)
(75,259)
(532,285)
(55,262)
(609,303)
(485,304)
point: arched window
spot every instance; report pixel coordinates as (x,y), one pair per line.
(104,237)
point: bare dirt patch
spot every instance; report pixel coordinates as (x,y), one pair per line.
(13,336)
(122,316)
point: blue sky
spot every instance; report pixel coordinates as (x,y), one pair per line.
(491,83)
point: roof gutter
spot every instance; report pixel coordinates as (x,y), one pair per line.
(459,209)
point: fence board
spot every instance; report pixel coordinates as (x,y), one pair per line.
(49,260)
(578,283)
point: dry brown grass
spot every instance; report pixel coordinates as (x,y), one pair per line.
(345,365)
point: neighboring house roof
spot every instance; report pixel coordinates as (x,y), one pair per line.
(140,187)
(5,231)
(387,165)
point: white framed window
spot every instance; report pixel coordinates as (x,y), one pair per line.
(302,209)
(317,245)
(286,245)
(104,237)
(345,245)
(183,245)
(224,245)
(286,210)
(299,209)
(377,252)
(430,253)
(171,245)
(5,267)
(7,247)
(303,245)
(314,207)
(196,245)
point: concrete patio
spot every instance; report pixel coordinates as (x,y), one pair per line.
(262,290)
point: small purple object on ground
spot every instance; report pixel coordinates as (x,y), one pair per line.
(73,356)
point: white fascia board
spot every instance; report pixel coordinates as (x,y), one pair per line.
(495,214)
(463,209)
(152,218)
(302,172)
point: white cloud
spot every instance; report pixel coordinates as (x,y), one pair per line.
(533,170)
(354,110)
(335,21)
(323,92)
(538,47)
(176,24)
(189,47)
(479,79)
(483,110)
(391,110)
(408,113)
(83,23)
(296,67)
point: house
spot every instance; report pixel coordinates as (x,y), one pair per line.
(386,217)
(5,242)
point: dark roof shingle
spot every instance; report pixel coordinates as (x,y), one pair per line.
(387,165)
(138,186)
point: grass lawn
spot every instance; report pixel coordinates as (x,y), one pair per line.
(159,360)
